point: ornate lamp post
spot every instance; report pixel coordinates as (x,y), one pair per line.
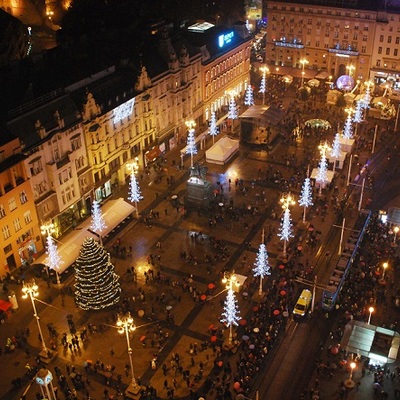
(384,266)
(125,325)
(371,310)
(231,312)
(303,63)
(54,258)
(30,289)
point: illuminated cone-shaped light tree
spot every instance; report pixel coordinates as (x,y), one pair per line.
(285,229)
(358,116)
(263,83)
(230,314)
(336,151)
(98,225)
(191,147)
(306,199)
(134,194)
(53,260)
(249,98)
(96,284)
(213,130)
(367,96)
(232,112)
(261,265)
(322,173)
(348,127)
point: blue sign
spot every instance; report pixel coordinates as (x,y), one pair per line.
(225,39)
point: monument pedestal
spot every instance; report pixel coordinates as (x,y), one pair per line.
(133,391)
(48,356)
(198,192)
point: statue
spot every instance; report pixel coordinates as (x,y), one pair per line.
(198,171)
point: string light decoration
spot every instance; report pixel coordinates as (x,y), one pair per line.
(232,112)
(213,131)
(53,260)
(249,97)
(134,194)
(358,115)
(231,313)
(285,229)
(322,173)
(348,127)
(96,284)
(367,96)
(191,147)
(306,199)
(261,265)
(336,151)
(98,225)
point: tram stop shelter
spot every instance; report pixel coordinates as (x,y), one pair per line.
(379,344)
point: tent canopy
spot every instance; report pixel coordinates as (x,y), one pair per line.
(222,151)
(267,114)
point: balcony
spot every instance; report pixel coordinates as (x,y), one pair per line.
(348,50)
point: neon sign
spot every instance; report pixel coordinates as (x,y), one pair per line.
(123,111)
(225,39)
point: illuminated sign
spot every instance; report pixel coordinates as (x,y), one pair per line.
(225,39)
(123,111)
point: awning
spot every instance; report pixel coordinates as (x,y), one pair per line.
(114,212)
(371,341)
(152,154)
(322,75)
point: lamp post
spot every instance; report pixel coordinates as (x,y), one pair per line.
(30,289)
(351,68)
(125,325)
(384,266)
(352,366)
(231,312)
(54,259)
(286,201)
(264,69)
(395,231)
(303,63)
(371,310)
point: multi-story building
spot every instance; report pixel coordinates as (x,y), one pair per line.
(329,35)
(51,135)
(19,224)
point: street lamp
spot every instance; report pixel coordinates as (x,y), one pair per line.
(263,87)
(395,230)
(351,68)
(303,63)
(352,366)
(54,258)
(30,289)
(286,202)
(125,325)
(231,312)
(371,310)
(384,265)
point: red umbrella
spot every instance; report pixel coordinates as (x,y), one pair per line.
(281,266)
(334,350)
(282,292)
(220,363)
(236,385)
(242,322)
(203,297)
(255,308)
(142,338)
(212,327)
(276,312)
(211,286)
(213,338)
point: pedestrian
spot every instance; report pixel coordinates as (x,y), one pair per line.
(166,385)
(164,368)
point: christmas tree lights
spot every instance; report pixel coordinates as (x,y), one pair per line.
(134,194)
(213,130)
(285,229)
(322,173)
(336,151)
(367,96)
(53,260)
(96,284)
(306,199)
(232,112)
(98,225)
(231,314)
(348,127)
(261,265)
(358,116)
(249,98)
(191,147)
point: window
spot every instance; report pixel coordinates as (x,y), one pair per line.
(6,232)
(381,38)
(27,217)
(379,50)
(397,40)
(363,49)
(12,204)
(389,39)
(387,51)
(7,249)
(395,51)
(17,224)
(364,38)
(378,63)
(2,211)
(23,197)
(76,143)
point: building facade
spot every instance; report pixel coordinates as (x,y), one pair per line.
(19,224)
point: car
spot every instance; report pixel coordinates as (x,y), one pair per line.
(303,303)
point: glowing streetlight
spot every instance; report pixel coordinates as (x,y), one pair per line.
(351,68)
(54,258)
(384,266)
(30,289)
(126,325)
(371,310)
(395,230)
(352,366)
(231,313)
(303,63)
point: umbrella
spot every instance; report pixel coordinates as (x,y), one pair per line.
(213,338)
(282,292)
(242,322)
(142,338)
(245,338)
(236,385)
(203,297)
(252,347)
(281,266)
(255,308)
(313,83)
(334,350)
(211,286)
(276,312)
(212,327)
(168,308)
(140,313)
(256,330)
(220,363)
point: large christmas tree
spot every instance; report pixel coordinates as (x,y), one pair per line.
(96,284)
